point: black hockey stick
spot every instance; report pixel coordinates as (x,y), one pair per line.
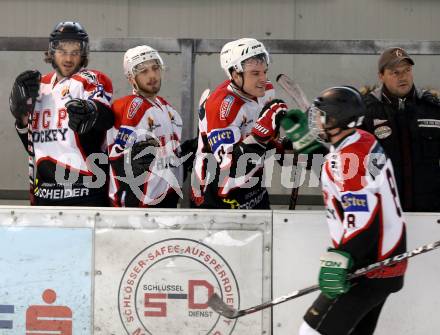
(219,306)
(295,92)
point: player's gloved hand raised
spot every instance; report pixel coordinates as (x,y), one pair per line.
(268,124)
(335,265)
(142,154)
(296,127)
(25,87)
(83,115)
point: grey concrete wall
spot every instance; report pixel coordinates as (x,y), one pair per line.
(278,19)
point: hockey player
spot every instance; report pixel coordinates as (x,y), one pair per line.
(144,159)
(364,216)
(239,122)
(62,119)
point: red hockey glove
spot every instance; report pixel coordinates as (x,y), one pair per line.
(268,124)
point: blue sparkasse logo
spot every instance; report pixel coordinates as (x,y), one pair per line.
(355,202)
(221,136)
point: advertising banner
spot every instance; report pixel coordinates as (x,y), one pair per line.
(45,280)
(156,279)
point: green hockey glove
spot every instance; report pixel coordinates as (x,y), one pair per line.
(335,266)
(295,125)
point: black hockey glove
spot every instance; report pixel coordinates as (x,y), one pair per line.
(25,87)
(188,147)
(83,115)
(142,154)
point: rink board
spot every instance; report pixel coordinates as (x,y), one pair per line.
(45,262)
(157,278)
(150,272)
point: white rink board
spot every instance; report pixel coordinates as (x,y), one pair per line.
(45,276)
(156,279)
(298,244)
(233,249)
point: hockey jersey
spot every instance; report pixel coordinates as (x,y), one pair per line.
(362,203)
(65,170)
(138,118)
(225,119)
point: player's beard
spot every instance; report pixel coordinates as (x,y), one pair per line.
(67,72)
(150,90)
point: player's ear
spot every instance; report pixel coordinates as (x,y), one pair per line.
(237,77)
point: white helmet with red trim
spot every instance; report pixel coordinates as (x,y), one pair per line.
(234,53)
(134,57)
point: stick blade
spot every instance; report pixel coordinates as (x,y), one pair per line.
(220,307)
(294,91)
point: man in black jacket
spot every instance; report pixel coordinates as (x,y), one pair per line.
(406,122)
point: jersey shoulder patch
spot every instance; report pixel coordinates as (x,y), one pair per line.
(133,107)
(222,108)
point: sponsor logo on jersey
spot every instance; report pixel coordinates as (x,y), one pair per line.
(428,123)
(134,107)
(151,124)
(65,92)
(383,132)
(89,77)
(123,136)
(216,138)
(225,107)
(49,135)
(355,202)
(173,119)
(245,121)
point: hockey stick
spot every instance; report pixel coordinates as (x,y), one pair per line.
(219,306)
(295,92)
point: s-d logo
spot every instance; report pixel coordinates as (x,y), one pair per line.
(165,289)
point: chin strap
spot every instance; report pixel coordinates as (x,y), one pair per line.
(242,86)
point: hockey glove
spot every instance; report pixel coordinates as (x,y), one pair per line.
(25,87)
(83,115)
(267,126)
(335,265)
(142,154)
(295,125)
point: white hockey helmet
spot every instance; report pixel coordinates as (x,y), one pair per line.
(234,53)
(138,55)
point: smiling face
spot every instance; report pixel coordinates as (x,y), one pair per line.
(254,77)
(67,58)
(148,78)
(398,79)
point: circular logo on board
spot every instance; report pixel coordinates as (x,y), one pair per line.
(165,289)
(382,132)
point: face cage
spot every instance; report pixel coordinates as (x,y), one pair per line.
(135,70)
(84,46)
(316,128)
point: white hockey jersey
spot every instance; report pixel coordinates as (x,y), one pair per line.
(56,146)
(362,203)
(138,118)
(226,119)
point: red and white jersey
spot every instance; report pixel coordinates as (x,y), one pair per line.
(228,118)
(138,118)
(363,208)
(52,139)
